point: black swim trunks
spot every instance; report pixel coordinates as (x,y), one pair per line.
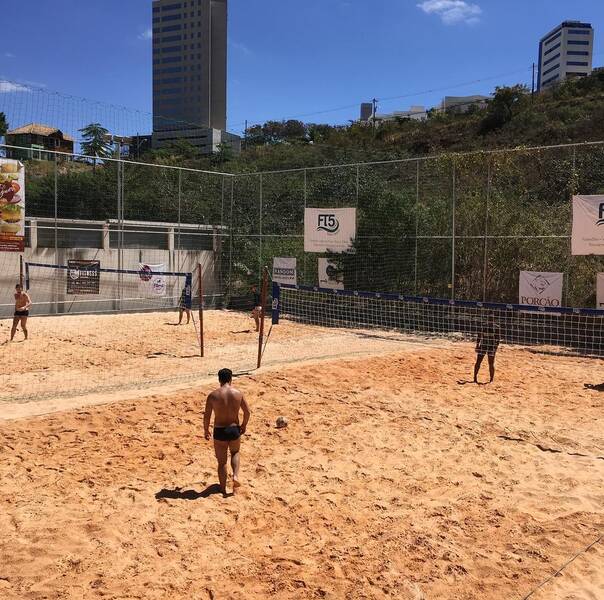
(21,313)
(227,434)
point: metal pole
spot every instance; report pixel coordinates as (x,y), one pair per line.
(416,227)
(21,270)
(56,284)
(356,270)
(231,238)
(178,262)
(305,192)
(260,229)
(453,238)
(263,295)
(485,265)
(201,343)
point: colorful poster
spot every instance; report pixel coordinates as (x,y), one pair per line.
(152,280)
(329,229)
(83,277)
(600,291)
(541,289)
(12,206)
(330,275)
(284,270)
(588,225)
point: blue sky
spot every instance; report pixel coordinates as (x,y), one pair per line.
(291,57)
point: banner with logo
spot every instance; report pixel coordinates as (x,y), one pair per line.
(152,281)
(12,206)
(83,277)
(330,275)
(329,229)
(600,291)
(588,225)
(541,289)
(284,270)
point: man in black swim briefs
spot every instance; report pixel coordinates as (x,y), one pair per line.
(22,306)
(225,403)
(487,344)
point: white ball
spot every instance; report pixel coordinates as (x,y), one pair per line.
(281,422)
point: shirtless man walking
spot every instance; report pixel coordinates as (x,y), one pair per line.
(226,402)
(22,306)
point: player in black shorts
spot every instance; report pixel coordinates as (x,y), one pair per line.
(22,306)
(487,344)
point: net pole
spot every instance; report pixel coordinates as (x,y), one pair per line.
(263,294)
(21,270)
(201,345)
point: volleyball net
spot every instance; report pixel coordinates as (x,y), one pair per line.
(575,330)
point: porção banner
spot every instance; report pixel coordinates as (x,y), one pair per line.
(541,289)
(284,270)
(330,230)
(330,275)
(12,206)
(152,282)
(588,225)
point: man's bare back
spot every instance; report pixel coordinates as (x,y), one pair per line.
(225,403)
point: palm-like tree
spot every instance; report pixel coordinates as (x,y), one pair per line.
(95,142)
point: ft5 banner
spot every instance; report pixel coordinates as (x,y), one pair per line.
(588,225)
(329,229)
(12,206)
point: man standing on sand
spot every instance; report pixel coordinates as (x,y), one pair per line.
(226,402)
(257,308)
(22,306)
(487,344)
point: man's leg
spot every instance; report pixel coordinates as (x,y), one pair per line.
(179,316)
(492,366)
(235,447)
(479,358)
(221,449)
(188,316)
(24,326)
(14,328)
(256,315)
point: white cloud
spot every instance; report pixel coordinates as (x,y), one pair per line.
(241,47)
(9,87)
(145,35)
(452,11)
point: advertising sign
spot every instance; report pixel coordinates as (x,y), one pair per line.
(152,280)
(588,225)
(330,275)
(329,229)
(284,270)
(83,277)
(12,206)
(541,289)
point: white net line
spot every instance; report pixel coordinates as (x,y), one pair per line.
(578,331)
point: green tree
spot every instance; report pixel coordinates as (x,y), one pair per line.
(3,124)
(505,104)
(95,142)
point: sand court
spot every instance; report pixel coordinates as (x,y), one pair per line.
(392,480)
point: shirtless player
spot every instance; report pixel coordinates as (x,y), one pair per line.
(226,402)
(22,306)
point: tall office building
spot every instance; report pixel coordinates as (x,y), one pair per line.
(190,72)
(565,52)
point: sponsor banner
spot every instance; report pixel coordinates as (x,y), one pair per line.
(12,206)
(83,277)
(330,275)
(284,270)
(588,225)
(600,291)
(152,280)
(329,229)
(541,289)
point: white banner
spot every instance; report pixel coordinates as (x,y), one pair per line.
(588,225)
(600,291)
(541,289)
(284,270)
(330,276)
(152,284)
(329,229)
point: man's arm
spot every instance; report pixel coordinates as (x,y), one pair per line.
(207,415)
(246,414)
(28,305)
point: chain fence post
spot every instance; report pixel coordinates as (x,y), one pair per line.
(305,194)
(230,284)
(453,234)
(261,199)
(56,219)
(485,265)
(416,227)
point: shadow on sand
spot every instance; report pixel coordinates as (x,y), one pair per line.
(180,494)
